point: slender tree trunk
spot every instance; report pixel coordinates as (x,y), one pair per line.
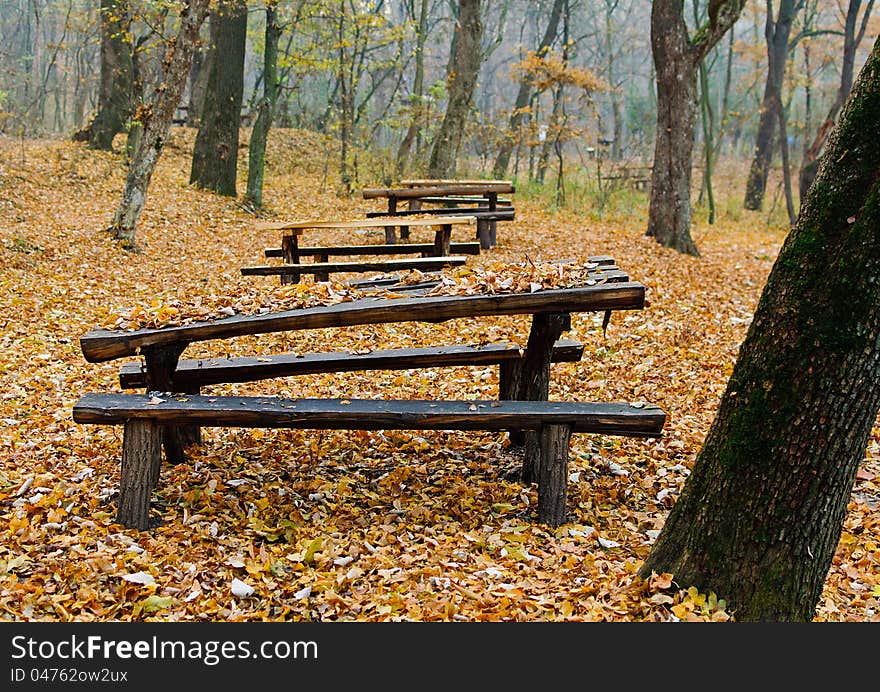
(676,58)
(265,109)
(215,155)
(776,34)
(761,514)
(708,121)
(851,41)
(156,121)
(669,217)
(523,95)
(465,63)
(117,78)
(417,115)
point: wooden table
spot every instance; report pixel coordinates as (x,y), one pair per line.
(529,382)
(294,229)
(487,210)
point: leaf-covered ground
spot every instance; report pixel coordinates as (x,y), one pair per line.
(311,525)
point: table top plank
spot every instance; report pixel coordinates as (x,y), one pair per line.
(456,220)
(435,191)
(103,344)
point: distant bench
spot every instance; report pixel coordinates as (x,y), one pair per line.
(480,198)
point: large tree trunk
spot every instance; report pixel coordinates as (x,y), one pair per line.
(502,160)
(265,109)
(155,119)
(676,58)
(117,77)
(465,67)
(851,42)
(215,156)
(776,34)
(761,514)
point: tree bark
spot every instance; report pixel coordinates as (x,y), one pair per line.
(417,115)
(676,57)
(465,67)
(156,121)
(776,33)
(117,77)
(851,41)
(265,109)
(520,106)
(215,156)
(761,514)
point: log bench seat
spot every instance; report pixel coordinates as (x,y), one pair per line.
(190,375)
(144,416)
(324,253)
(322,270)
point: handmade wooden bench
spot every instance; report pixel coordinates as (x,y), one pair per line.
(324,253)
(144,415)
(486,210)
(528,381)
(291,273)
(191,375)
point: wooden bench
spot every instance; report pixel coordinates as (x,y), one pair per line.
(324,253)
(416,192)
(191,375)
(528,381)
(144,416)
(322,270)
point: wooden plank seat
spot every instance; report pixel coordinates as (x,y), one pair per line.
(324,253)
(604,262)
(486,219)
(322,270)
(145,415)
(190,375)
(462,199)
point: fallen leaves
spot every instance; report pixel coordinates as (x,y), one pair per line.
(355,525)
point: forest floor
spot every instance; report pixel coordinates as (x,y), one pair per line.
(354,525)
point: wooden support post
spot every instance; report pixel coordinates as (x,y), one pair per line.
(509,376)
(290,255)
(161,362)
(534,383)
(141,457)
(442,238)
(492,224)
(483,234)
(552,473)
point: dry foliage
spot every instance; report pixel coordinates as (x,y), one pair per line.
(325,525)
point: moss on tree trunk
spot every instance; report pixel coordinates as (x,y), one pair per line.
(760,516)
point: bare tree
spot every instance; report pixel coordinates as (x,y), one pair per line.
(676,57)
(465,60)
(851,41)
(155,118)
(215,155)
(776,33)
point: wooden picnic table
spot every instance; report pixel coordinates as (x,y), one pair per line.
(292,254)
(477,197)
(550,312)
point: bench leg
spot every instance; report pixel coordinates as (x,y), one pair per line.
(552,474)
(161,363)
(290,255)
(483,234)
(493,233)
(141,458)
(509,377)
(534,382)
(391,235)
